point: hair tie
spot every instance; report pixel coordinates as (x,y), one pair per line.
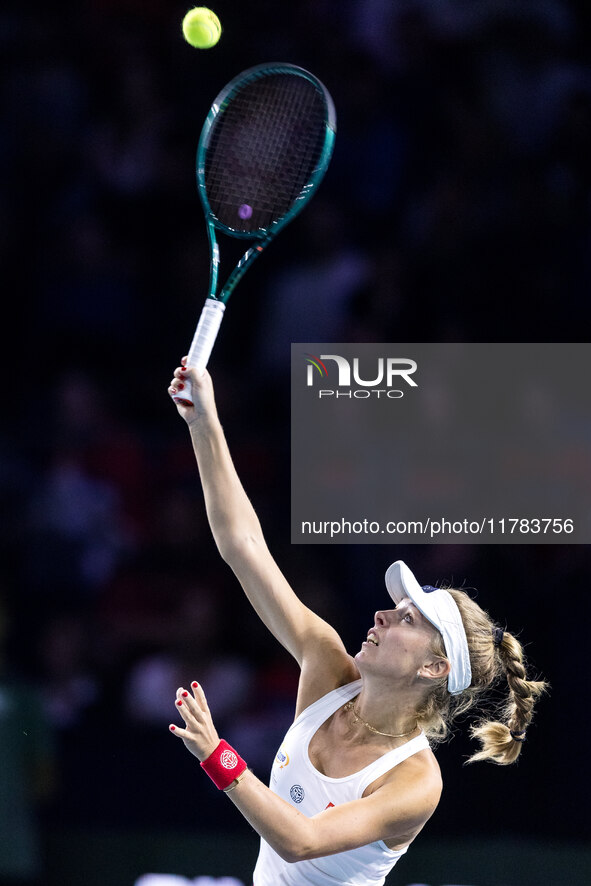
(498,634)
(518,736)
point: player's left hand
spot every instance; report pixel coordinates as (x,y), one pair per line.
(199,735)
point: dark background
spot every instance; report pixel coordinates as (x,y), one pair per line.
(456,208)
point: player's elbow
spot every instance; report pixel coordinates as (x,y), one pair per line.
(293,854)
(295,842)
(238,548)
(289,856)
(297,848)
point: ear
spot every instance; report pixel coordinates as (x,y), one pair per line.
(432,670)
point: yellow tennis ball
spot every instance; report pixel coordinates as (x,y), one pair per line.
(201,28)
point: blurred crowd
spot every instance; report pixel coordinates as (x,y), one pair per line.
(457,208)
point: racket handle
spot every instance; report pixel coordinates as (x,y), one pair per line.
(202,344)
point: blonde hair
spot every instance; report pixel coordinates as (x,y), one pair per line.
(502,732)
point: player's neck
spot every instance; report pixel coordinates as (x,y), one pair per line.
(391,716)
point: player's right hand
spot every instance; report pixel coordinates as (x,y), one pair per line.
(202,392)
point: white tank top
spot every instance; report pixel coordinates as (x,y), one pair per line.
(294,778)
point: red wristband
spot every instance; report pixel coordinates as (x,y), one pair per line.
(224,765)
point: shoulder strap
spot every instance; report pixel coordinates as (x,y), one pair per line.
(324,707)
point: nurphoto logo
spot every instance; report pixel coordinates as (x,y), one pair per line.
(377,380)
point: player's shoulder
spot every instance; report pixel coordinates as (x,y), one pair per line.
(423,763)
(418,776)
(408,797)
(422,773)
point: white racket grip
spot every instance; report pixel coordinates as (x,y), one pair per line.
(202,344)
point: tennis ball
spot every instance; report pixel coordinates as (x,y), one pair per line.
(201,28)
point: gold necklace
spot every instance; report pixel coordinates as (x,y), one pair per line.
(350,706)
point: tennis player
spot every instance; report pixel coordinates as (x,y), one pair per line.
(355,779)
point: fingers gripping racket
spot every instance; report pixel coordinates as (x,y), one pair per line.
(264,148)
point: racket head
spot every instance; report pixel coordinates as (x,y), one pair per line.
(264,149)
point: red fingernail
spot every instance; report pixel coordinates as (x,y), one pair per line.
(195,684)
(185,694)
(183,368)
(179,702)
(180,387)
(172,728)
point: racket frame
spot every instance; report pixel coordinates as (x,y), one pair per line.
(213,309)
(263,236)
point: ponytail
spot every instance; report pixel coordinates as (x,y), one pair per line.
(494,656)
(501,740)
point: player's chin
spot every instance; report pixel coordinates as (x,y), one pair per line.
(367,654)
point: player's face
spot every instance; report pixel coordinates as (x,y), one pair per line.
(399,642)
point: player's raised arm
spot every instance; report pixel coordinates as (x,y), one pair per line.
(240,541)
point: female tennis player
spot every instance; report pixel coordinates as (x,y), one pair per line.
(355,779)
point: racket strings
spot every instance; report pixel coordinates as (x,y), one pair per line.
(270,161)
(264,147)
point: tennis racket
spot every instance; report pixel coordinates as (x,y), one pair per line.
(264,148)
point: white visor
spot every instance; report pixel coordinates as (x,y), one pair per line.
(440,608)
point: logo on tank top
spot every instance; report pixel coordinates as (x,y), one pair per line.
(282,758)
(297,793)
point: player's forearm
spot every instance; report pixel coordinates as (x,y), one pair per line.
(231,516)
(286,830)
(235,525)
